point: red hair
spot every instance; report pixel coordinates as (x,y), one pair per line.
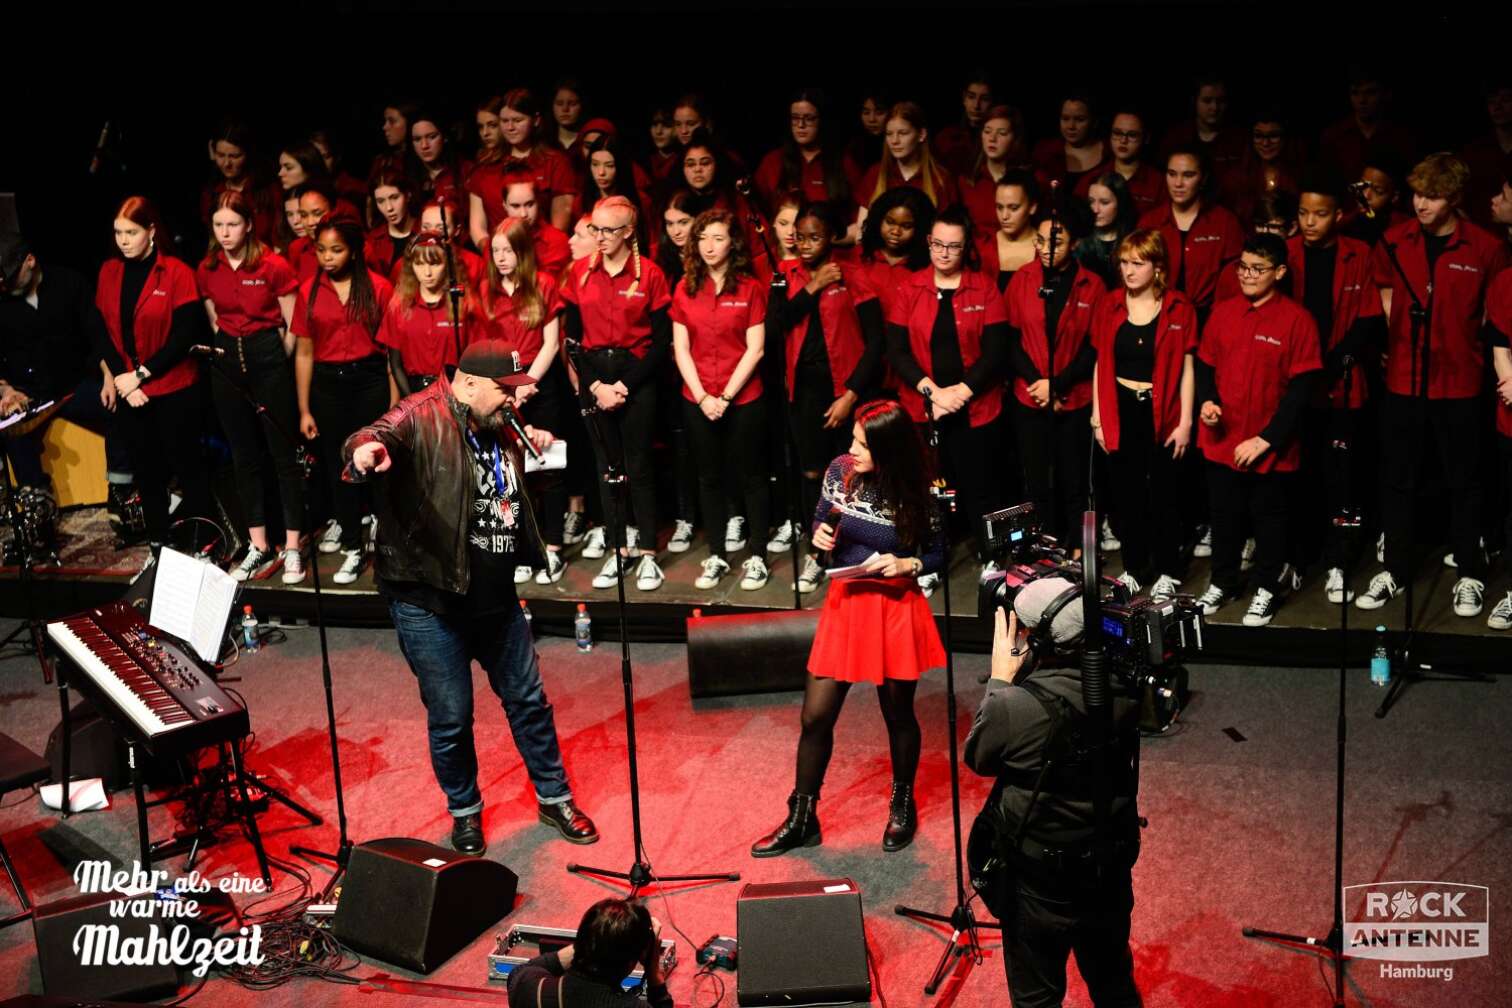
(142,212)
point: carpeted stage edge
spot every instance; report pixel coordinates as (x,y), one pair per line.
(1239,799)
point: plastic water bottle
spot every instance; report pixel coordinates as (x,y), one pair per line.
(249,630)
(525,611)
(1380,660)
(582,628)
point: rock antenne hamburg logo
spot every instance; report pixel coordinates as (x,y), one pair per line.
(1416,921)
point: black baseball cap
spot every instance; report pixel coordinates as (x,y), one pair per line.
(497,359)
(13,252)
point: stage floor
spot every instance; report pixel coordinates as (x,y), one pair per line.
(1239,798)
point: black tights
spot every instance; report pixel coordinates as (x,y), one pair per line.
(822,700)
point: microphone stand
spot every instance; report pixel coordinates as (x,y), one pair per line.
(1046,292)
(779,288)
(1409,671)
(959,918)
(1332,945)
(454,290)
(640,874)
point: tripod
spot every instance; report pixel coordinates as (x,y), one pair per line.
(1332,945)
(306,467)
(1409,670)
(640,874)
(960,919)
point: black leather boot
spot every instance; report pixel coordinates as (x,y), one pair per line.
(902,818)
(800,829)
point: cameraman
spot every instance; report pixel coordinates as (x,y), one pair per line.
(615,936)
(1058,895)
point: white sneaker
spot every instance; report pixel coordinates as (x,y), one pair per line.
(608,575)
(811,576)
(1335,590)
(1469,596)
(552,572)
(593,543)
(1204,547)
(714,568)
(1164,588)
(928,583)
(1109,542)
(1212,600)
(754,574)
(1261,608)
(1129,581)
(523,574)
(574,527)
(330,542)
(1382,589)
(1247,555)
(783,540)
(648,576)
(353,560)
(251,567)
(682,537)
(1501,616)
(293,566)
(735,534)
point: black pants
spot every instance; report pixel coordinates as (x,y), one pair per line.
(628,431)
(1062,438)
(1146,493)
(1504,450)
(1243,501)
(1041,933)
(732,455)
(1340,475)
(1409,430)
(85,409)
(815,446)
(547,410)
(163,439)
(671,423)
(258,366)
(344,397)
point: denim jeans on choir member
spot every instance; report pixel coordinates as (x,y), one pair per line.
(440,651)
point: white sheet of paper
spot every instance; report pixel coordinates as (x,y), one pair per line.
(854,570)
(25,414)
(192,600)
(554,457)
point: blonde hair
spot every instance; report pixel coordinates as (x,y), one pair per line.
(618,203)
(1440,176)
(1150,246)
(532,305)
(911,113)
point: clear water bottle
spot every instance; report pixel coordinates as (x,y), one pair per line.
(582,628)
(525,611)
(1380,660)
(249,630)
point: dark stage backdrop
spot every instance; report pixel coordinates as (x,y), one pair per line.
(285,74)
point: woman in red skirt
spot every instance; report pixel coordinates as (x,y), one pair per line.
(874,510)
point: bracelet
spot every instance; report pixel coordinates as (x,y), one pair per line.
(1096,425)
(727,398)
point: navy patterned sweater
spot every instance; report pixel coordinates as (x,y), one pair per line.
(866,522)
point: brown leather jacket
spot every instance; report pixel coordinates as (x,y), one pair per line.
(424,501)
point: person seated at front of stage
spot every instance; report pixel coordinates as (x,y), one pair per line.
(1255,368)
(1446,264)
(874,512)
(613,938)
(47,322)
(454,519)
(1063,891)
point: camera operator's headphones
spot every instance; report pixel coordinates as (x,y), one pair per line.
(1042,635)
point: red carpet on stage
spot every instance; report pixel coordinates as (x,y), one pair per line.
(1239,797)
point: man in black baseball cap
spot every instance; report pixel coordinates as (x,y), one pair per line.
(453,521)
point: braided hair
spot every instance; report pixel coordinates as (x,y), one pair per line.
(362,304)
(619,203)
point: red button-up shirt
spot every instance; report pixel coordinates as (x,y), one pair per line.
(717,325)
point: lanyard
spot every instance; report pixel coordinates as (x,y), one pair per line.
(498,464)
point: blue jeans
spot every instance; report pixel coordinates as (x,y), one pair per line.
(440,651)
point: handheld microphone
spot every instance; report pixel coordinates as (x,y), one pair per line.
(511,418)
(832,519)
(201,350)
(1358,190)
(928,403)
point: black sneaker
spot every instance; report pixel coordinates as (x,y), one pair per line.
(467,834)
(569,821)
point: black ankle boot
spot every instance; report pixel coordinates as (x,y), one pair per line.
(800,829)
(902,818)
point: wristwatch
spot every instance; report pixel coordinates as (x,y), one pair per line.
(142,374)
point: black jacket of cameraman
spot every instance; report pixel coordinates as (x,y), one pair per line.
(1008,741)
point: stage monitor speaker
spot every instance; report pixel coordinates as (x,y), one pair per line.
(801,943)
(97,751)
(63,945)
(410,903)
(750,652)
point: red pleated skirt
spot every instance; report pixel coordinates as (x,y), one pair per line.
(872,629)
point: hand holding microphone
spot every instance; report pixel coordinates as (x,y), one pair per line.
(513,419)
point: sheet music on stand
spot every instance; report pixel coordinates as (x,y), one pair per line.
(192,600)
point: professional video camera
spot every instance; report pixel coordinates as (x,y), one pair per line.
(1145,641)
